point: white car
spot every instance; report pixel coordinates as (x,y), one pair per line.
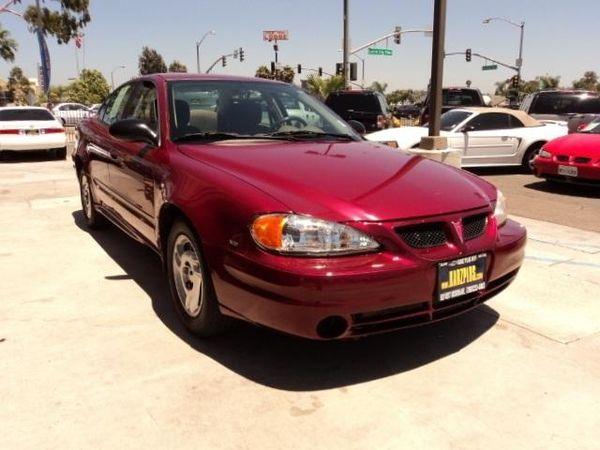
(70,114)
(487,136)
(24,128)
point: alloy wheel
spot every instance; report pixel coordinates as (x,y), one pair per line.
(187,275)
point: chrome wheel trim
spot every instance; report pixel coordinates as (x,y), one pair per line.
(531,159)
(86,197)
(187,275)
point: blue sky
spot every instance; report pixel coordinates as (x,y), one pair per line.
(561,37)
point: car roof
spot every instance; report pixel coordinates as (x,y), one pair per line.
(525,118)
(567,91)
(202,77)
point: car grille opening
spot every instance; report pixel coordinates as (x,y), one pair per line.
(582,160)
(426,235)
(474,226)
(563,158)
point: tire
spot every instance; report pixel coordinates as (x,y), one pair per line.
(530,155)
(190,285)
(93,219)
(60,153)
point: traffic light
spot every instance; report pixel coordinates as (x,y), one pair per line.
(276,47)
(339,68)
(468,55)
(353,71)
(320,72)
(241,53)
(299,69)
(223,61)
(514,81)
(397,35)
(272,67)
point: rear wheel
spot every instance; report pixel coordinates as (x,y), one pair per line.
(191,288)
(92,218)
(530,155)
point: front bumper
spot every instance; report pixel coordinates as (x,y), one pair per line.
(371,293)
(586,173)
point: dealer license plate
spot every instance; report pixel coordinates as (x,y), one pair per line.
(461,276)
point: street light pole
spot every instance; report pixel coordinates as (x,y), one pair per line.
(346,46)
(521,26)
(198,43)
(437,66)
(112,75)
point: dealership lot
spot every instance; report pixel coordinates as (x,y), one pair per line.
(92,355)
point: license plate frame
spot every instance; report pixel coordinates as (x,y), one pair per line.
(567,171)
(461,276)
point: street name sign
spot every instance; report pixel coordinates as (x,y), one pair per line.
(489,67)
(380,51)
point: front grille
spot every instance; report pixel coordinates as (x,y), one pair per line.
(426,235)
(582,160)
(562,158)
(474,226)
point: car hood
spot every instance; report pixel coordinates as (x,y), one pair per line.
(576,144)
(346,181)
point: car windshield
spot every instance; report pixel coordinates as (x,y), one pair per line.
(460,97)
(452,118)
(226,109)
(25,114)
(565,103)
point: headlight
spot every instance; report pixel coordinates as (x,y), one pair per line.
(500,210)
(545,154)
(293,234)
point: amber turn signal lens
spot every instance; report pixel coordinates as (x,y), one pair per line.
(268,230)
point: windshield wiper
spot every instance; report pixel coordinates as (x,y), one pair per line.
(310,134)
(218,136)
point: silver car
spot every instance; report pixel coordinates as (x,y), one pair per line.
(70,114)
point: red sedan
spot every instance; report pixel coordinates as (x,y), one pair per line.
(302,227)
(574,158)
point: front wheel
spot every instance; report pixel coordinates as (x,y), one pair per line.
(191,288)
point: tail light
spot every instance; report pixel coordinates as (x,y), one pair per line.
(14,131)
(52,130)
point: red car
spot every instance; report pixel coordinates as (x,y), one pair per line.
(574,158)
(304,228)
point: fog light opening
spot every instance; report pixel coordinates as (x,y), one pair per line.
(332,327)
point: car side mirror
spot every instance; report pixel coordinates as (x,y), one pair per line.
(134,130)
(468,128)
(357,126)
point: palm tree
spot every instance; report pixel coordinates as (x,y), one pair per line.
(8,46)
(322,87)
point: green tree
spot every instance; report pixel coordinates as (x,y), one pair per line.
(548,81)
(57,94)
(91,87)
(62,20)
(19,87)
(379,87)
(588,82)
(321,87)
(150,61)
(285,74)
(177,66)
(404,96)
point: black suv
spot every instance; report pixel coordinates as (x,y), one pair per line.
(367,107)
(561,104)
(453,97)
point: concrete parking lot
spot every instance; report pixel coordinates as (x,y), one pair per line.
(91,354)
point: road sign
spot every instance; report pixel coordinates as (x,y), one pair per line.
(489,67)
(380,51)
(275,35)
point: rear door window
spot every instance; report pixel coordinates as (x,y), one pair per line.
(355,102)
(25,114)
(489,121)
(461,97)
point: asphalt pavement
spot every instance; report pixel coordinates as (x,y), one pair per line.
(92,355)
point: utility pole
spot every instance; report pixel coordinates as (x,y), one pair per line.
(346,46)
(437,67)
